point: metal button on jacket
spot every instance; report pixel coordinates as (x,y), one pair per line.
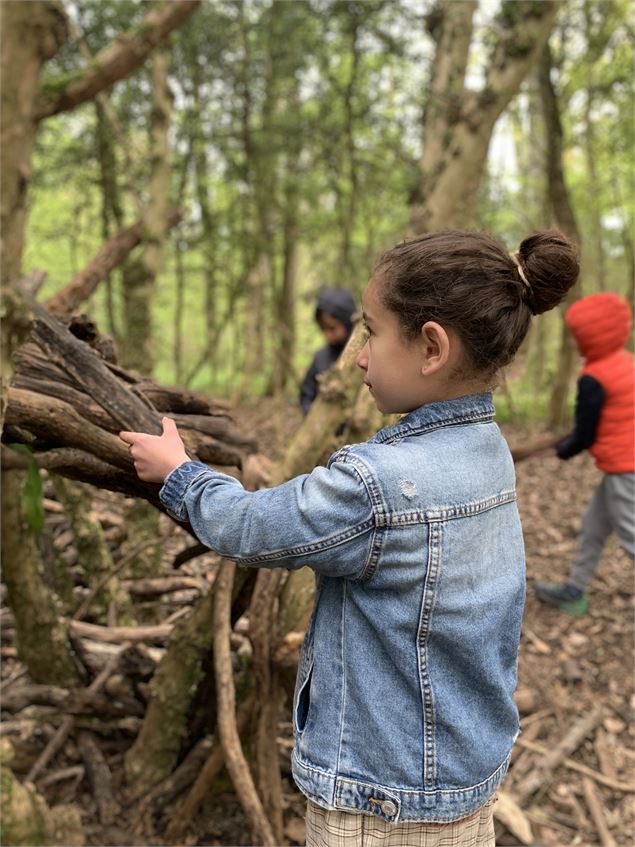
(388,808)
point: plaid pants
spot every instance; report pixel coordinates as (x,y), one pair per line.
(345,829)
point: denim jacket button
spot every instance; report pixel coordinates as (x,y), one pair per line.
(388,808)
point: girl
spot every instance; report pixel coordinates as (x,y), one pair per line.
(403,713)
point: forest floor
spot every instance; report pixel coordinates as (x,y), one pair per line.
(567,668)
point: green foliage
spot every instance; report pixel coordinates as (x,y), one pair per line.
(32,491)
(311,112)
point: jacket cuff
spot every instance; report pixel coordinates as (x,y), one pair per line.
(176,485)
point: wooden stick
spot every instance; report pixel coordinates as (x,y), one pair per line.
(99,777)
(115,634)
(226,705)
(540,777)
(594,805)
(520,452)
(616,785)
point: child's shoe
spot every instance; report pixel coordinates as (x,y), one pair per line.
(567,597)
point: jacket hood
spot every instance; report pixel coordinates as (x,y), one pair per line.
(337,302)
(600,323)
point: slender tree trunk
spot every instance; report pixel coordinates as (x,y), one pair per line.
(599,264)
(140,275)
(565,219)
(349,209)
(111,209)
(201,167)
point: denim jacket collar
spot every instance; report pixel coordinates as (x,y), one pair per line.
(470,408)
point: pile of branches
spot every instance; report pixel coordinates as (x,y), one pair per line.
(69,399)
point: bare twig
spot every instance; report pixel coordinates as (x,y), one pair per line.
(594,805)
(227,730)
(616,785)
(540,777)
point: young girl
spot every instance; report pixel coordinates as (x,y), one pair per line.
(404,715)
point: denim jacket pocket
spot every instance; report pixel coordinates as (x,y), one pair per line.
(303,700)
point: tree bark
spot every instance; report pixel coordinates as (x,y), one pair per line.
(155,752)
(564,216)
(31,34)
(459,122)
(126,53)
(44,648)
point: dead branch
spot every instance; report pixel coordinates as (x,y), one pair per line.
(603,779)
(99,778)
(261,627)
(117,634)
(541,775)
(541,443)
(111,254)
(226,706)
(594,805)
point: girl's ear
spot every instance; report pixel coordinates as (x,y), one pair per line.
(435,344)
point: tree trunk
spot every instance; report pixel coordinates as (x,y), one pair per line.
(140,274)
(174,685)
(31,34)
(459,122)
(44,648)
(565,219)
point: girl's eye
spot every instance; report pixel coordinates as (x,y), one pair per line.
(367,331)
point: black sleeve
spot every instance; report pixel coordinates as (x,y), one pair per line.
(588,406)
(309,386)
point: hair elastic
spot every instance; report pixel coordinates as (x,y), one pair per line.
(521,272)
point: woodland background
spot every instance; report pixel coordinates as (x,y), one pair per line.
(179,180)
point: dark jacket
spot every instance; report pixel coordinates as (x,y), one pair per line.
(339,303)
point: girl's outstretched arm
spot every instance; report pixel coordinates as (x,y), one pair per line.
(324,519)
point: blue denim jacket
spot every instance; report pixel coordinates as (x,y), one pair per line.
(403,705)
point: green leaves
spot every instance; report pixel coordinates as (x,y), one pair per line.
(32,491)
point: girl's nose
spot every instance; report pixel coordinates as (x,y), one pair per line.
(362,357)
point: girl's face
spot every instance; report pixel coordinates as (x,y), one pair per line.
(391,365)
(403,375)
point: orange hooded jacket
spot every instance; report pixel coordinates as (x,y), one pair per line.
(601,324)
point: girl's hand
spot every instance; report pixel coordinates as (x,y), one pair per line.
(155,456)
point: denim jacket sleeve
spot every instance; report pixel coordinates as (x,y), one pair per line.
(323,519)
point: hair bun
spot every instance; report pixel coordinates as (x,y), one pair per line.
(550,265)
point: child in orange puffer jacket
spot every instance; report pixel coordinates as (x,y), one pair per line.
(605,426)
